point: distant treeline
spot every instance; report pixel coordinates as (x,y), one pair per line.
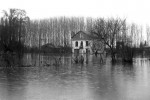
(56,31)
(17,31)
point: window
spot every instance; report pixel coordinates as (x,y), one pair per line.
(76,43)
(87,43)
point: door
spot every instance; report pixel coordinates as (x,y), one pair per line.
(76,51)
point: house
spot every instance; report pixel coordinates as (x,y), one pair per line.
(81,43)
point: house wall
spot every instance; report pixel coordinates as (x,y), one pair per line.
(84,45)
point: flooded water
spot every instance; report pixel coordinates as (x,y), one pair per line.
(43,77)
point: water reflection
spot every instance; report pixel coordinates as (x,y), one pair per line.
(13,84)
(38,78)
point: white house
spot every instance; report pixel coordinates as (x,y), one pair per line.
(81,43)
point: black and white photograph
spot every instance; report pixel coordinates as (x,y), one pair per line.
(74,50)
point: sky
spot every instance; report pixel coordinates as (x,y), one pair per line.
(137,11)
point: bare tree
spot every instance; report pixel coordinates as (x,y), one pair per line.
(13,29)
(148,34)
(106,31)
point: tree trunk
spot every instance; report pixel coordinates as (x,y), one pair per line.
(113,56)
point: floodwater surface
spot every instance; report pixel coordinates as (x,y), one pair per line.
(51,77)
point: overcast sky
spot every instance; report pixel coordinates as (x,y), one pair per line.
(137,11)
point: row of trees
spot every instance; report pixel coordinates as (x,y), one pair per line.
(56,31)
(17,28)
(53,29)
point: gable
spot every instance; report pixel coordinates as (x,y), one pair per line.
(81,36)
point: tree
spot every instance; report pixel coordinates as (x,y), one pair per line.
(107,31)
(13,29)
(148,35)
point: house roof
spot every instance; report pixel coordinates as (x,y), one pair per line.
(81,36)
